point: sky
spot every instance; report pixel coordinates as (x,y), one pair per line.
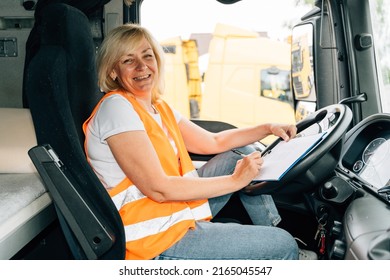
(164,20)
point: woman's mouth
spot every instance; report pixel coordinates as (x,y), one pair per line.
(142,77)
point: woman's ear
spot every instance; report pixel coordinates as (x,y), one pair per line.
(113,75)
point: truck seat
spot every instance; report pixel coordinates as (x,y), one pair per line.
(61,90)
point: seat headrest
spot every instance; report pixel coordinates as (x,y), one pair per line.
(68,28)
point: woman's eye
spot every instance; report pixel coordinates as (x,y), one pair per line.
(128,61)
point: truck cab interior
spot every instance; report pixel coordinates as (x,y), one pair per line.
(335,200)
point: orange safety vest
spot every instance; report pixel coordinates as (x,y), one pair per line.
(152,227)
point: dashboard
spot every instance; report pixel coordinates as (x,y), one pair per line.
(374,163)
(367,154)
(365,165)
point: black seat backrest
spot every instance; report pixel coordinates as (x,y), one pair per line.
(61,90)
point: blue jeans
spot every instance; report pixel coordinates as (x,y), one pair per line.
(223,241)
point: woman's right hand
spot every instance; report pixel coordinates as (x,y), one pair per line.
(247,168)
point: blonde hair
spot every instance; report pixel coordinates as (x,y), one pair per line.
(118,43)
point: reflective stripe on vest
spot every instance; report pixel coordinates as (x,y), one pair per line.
(152,227)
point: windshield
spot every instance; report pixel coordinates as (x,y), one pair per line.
(231,63)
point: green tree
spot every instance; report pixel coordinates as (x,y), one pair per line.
(301,4)
(304,2)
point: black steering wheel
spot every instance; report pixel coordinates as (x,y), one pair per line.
(316,166)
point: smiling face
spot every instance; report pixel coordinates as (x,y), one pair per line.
(137,70)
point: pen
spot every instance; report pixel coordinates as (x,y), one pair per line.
(265,152)
(238,152)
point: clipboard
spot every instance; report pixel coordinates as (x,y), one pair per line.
(281,158)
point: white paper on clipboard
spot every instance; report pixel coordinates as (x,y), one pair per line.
(285,155)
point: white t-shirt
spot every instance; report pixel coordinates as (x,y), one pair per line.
(115,115)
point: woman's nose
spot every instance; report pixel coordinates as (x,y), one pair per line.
(141,65)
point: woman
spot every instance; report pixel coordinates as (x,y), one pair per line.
(138,146)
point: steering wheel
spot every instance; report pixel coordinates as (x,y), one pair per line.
(316,166)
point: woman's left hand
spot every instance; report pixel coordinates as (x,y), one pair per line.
(284,131)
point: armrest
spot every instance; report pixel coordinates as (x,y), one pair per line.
(93,235)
